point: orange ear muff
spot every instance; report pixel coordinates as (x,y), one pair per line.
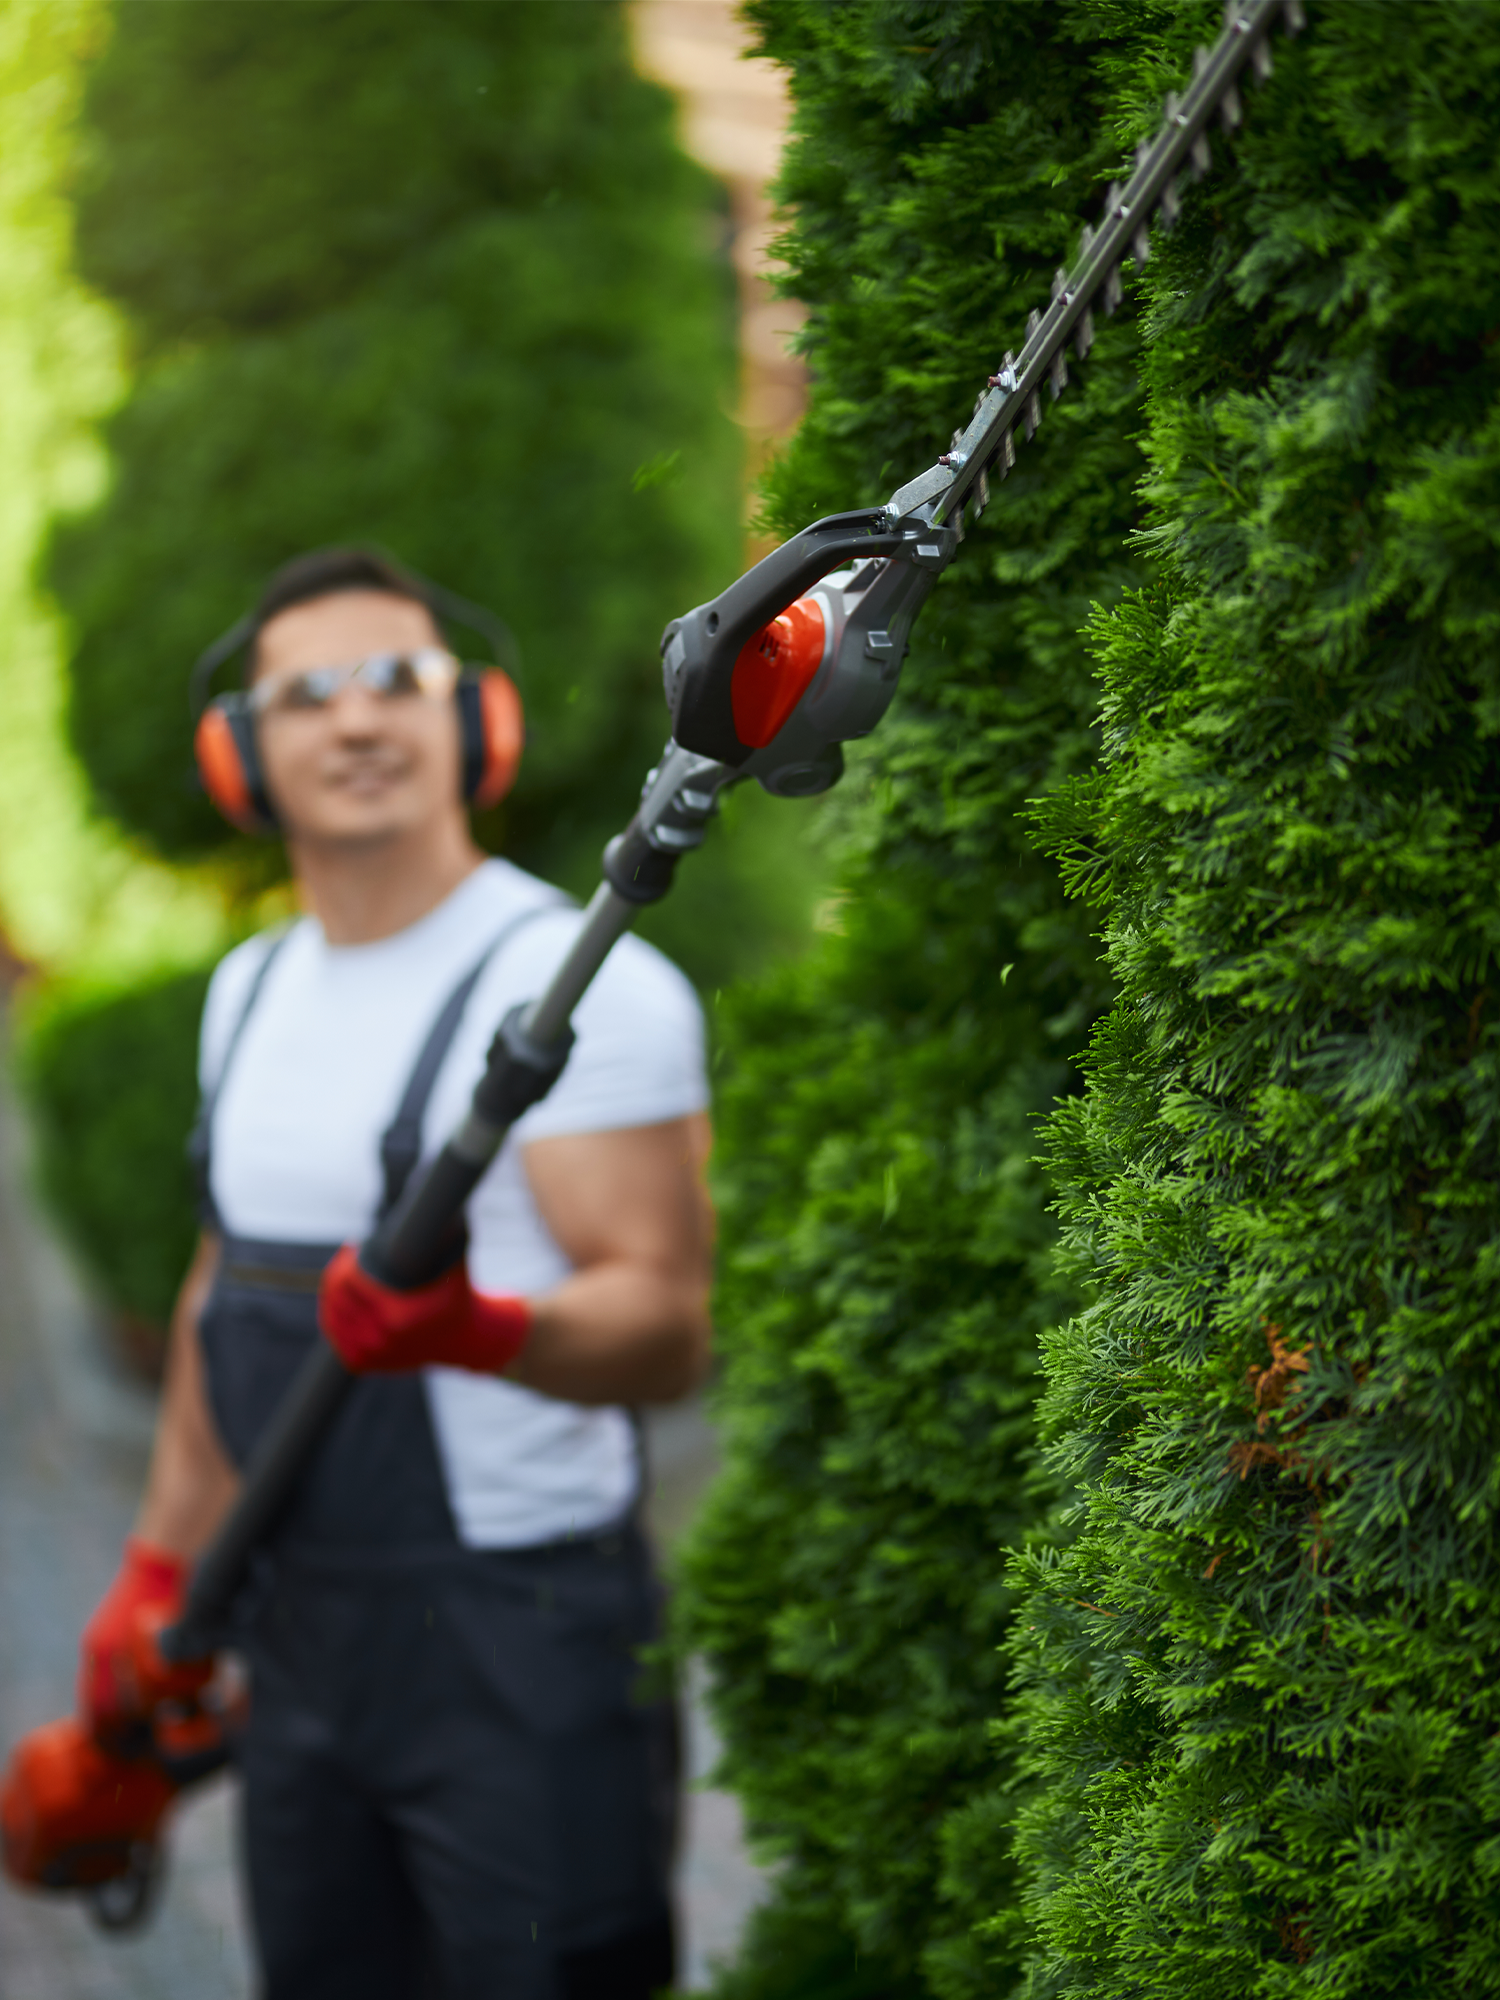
(224,745)
(493,731)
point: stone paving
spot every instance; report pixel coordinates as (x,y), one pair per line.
(73,1440)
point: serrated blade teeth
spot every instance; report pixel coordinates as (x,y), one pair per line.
(1129,212)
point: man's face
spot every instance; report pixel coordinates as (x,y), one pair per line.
(365,767)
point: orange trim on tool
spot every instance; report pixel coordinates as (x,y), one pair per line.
(775,669)
(70,1812)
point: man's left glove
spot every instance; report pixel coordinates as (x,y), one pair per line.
(443,1325)
(121,1673)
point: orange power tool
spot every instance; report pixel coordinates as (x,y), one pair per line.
(83,1810)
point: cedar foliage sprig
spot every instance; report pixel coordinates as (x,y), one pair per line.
(1264,1682)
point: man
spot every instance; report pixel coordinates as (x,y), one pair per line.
(453,1783)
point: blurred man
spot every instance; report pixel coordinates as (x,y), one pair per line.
(453,1782)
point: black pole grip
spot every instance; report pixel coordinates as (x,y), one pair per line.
(424,1233)
(274,1469)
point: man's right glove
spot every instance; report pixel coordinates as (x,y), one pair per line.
(121,1674)
(447,1324)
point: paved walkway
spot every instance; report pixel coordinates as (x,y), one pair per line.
(73,1441)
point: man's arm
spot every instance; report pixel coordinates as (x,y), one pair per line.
(191,1482)
(631,1211)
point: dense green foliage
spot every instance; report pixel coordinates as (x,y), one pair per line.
(110,1112)
(434,276)
(1265,1703)
(886,1259)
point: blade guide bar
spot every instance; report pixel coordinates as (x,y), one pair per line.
(1013,396)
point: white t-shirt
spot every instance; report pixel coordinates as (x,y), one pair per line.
(316,1079)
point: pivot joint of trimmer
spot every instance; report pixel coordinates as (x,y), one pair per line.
(679,798)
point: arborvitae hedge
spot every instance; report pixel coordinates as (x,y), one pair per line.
(435,276)
(887,1252)
(1266,1677)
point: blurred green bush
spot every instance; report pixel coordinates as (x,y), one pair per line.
(434,276)
(111,1078)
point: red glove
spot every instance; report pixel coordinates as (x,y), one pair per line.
(121,1675)
(444,1325)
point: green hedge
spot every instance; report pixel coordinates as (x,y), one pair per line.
(111,1079)
(886,1267)
(1265,1682)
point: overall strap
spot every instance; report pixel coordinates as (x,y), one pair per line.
(401,1142)
(200,1139)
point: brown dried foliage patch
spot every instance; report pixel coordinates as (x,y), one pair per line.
(1291,1928)
(1270,1388)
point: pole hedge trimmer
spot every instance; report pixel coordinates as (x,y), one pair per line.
(800,655)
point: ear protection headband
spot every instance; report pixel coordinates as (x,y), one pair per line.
(490,722)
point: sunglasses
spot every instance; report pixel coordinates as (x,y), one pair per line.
(391,676)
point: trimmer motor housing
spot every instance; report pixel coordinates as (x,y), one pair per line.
(803,652)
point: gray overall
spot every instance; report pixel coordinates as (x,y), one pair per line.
(454,1784)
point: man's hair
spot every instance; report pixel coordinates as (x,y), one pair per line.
(321,573)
